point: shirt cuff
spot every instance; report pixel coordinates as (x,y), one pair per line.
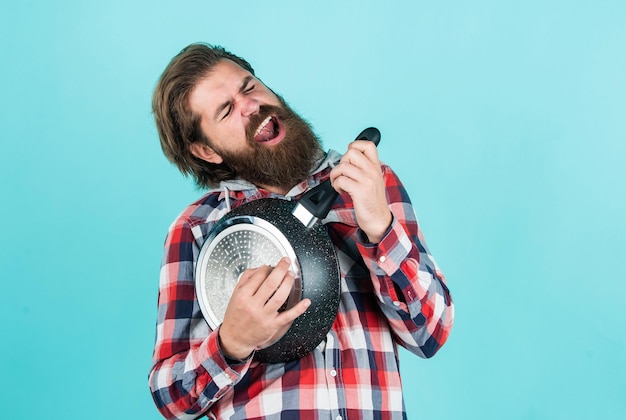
(386,257)
(388,254)
(223,373)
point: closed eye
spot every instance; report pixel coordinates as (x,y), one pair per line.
(247,86)
(229,108)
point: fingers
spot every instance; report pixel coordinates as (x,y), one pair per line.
(276,284)
(253,279)
(267,286)
(359,174)
(347,177)
(359,163)
(291,314)
(367,153)
(281,294)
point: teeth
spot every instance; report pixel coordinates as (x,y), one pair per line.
(262,126)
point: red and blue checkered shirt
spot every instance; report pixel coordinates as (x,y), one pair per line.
(392,293)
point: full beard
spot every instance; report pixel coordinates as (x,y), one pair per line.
(283,165)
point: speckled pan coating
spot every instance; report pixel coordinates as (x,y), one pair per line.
(320,278)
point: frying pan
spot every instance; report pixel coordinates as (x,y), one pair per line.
(261,232)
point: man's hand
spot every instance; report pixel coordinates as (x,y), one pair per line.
(252,320)
(359,174)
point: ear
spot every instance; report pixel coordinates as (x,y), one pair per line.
(206,153)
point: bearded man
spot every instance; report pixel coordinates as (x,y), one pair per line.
(220,124)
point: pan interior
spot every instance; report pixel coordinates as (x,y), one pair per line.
(242,243)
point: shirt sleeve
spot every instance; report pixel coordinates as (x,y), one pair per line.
(411,289)
(189,371)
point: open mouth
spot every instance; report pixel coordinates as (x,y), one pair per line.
(270,131)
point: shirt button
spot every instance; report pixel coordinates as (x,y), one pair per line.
(333,373)
(382,259)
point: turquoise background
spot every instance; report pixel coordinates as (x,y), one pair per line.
(506,121)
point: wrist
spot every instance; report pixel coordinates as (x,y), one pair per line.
(233,351)
(376,234)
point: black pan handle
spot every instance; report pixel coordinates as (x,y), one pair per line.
(372,134)
(320,199)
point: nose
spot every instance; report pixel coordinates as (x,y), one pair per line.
(248,105)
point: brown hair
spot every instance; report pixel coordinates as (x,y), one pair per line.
(178,127)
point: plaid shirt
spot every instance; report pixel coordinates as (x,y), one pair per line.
(391,293)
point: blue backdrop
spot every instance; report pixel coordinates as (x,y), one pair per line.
(506,121)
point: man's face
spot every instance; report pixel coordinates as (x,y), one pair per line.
(251,129)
